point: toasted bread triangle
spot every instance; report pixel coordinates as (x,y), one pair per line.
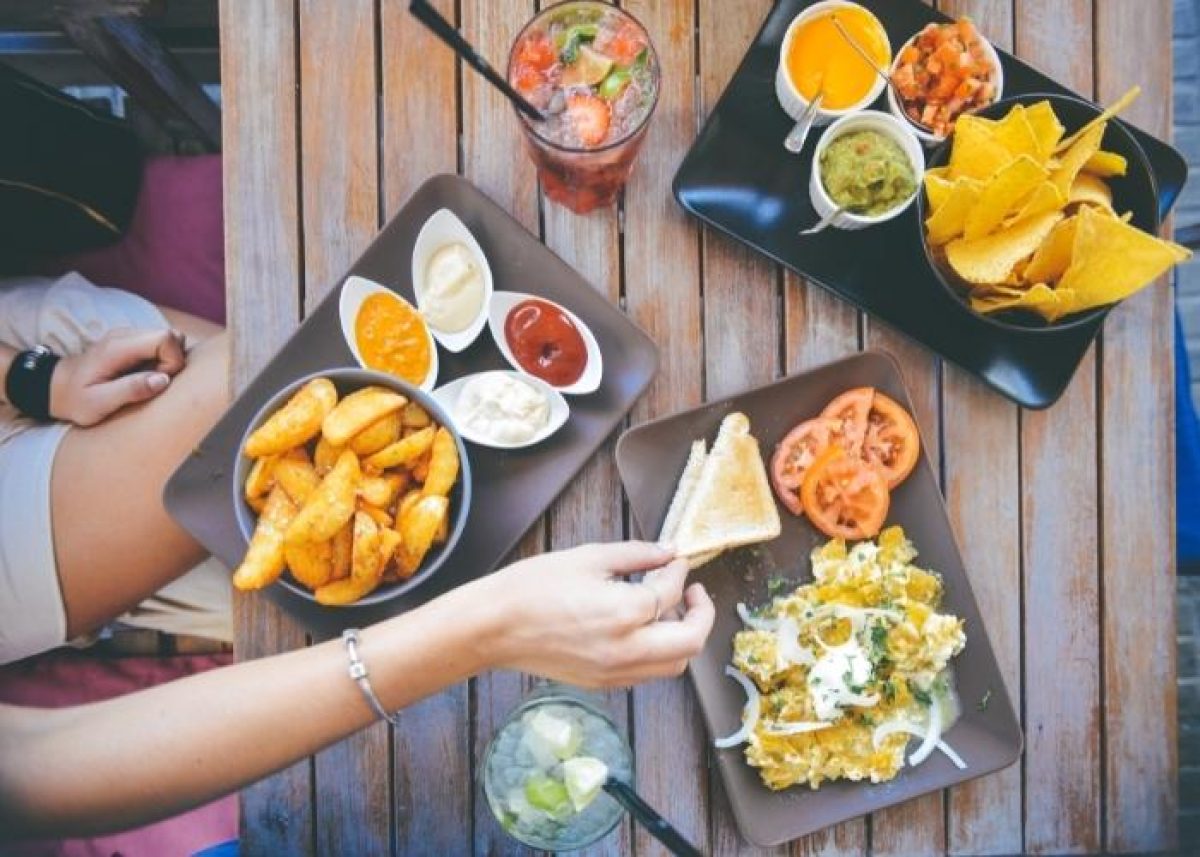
(731,504)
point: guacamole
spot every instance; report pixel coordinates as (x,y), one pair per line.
(867,173)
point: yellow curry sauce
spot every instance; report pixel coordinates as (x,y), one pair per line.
(392,338)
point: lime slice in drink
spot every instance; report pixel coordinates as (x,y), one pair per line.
(589,68)
(584,776)
(547,794)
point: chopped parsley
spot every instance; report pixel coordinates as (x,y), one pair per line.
(987,697)
(777,584)
(921,696)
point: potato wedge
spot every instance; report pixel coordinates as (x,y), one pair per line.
(403,452)
(264,560)
(357,411)
(298,478)
(257,504)
(406,502)
(325,455)
(261,479)
(419,527)
(331,505)
(297,422)
(376,436)
(414,416)
(389,540)
(443,464)
(443,532)
(310,563)
(342,546)
(376,514)
(345,591)
(381,491)
(420,470)
(366,558)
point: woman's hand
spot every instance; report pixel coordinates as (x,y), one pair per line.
(125,367)
(574,616)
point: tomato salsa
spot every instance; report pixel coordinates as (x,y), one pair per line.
(545,342)
(945,71)
(392,338)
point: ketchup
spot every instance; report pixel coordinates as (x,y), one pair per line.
(545,342)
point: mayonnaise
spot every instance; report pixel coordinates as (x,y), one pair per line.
(451,294)
(502,408)
(837,678)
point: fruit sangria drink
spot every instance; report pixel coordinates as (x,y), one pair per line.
(591,69)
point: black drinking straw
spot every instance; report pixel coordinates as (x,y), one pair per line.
(445,31)
(649,819)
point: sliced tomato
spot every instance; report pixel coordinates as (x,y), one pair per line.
(892,444)
(794,455)
(844,496)
(850,411)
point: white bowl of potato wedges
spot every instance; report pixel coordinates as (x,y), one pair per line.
(350,487)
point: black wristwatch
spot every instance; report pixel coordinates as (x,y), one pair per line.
(27,386)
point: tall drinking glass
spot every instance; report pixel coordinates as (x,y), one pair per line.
(592,69)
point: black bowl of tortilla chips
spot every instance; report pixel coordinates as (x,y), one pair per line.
(1040,213)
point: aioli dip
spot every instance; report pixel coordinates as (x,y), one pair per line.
(500,407)
(451,292)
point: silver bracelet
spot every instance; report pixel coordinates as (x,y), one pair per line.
(358,672)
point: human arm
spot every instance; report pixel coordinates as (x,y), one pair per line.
(130,760)
(7,354)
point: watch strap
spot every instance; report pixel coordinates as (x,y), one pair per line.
(27,385)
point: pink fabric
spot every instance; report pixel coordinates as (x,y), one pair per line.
(66,677)
(173,253)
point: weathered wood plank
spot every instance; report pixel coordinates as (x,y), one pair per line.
(339,184)
(977,426)
(493,159)
(419,130)
(262,287)
(1059,540)
(662,280)
(741,302)
(590,508)
(1137,477)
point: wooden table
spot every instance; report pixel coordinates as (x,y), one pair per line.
(335,110)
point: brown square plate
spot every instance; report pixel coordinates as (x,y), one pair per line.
(511,489)
(650,458)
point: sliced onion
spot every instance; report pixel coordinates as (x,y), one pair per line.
(891,727)
(859,700)
(796,728)
(933,734)
(788,637)
(756,623)
(749,712)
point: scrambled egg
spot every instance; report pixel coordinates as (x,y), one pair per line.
(860,647)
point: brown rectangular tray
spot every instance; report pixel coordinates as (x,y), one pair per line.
(511,488)
(650,458)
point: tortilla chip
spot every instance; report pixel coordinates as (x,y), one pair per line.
(937,187)
(1003,192)
(1108,113)
(1046,128)
(1015,133)
(1051,260)
(1050,304)
(1073,159)
(975,152)
(991,259)
(1105,164)
(1046,197)
(948,221)
(1091,189)
(1111,260)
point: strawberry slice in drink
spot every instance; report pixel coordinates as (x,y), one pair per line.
(590,117)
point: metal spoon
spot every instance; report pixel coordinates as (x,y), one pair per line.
(869,60)
(824,222)
(794,141)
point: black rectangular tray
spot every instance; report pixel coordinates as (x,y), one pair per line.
(511,489)
(737,178)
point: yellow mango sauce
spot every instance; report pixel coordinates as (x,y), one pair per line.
(392,338)
(820,59)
